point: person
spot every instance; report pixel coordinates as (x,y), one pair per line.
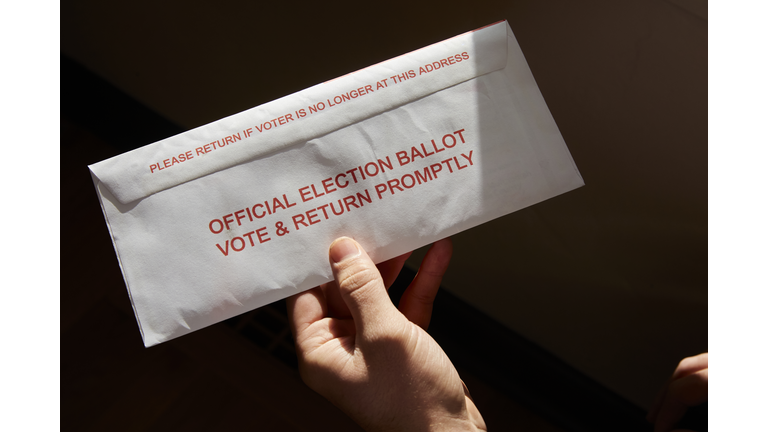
(378,364)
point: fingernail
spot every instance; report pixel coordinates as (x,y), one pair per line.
(342,249)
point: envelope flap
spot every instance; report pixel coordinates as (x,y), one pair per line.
(304,115)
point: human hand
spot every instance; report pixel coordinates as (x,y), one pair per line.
(373,361)
(686,388)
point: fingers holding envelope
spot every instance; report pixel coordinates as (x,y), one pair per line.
(416,302)
(337,308)
(325,300)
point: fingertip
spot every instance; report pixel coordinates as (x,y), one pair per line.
(438,257)
(448,242)
(343,248)
(443,249)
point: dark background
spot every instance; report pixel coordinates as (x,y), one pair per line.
(565,316)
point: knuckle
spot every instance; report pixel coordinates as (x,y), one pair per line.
(358,278)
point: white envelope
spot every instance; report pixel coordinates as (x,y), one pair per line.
(239,213)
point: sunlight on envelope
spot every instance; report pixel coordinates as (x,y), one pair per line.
(239,213)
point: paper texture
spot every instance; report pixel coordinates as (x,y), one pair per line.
(239,213)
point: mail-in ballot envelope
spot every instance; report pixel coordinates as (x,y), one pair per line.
(239,213)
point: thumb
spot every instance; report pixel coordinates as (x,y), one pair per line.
(362,288)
